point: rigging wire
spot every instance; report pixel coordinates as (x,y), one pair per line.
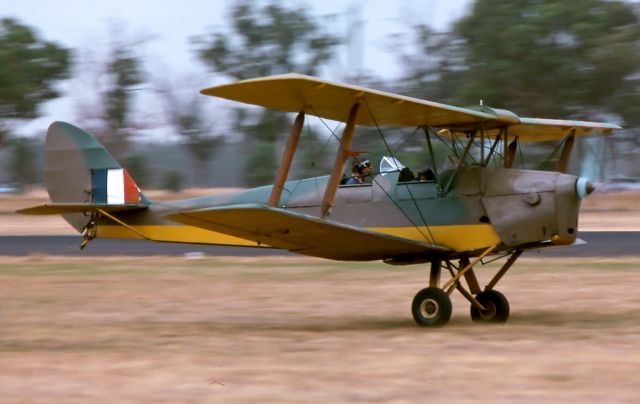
(333,133)
(447,145)
(491,146)
(413,199)
(457,141)
(551,155)
(401,145)
(520,152)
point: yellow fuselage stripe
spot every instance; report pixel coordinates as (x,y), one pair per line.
(464,237)
(456,237)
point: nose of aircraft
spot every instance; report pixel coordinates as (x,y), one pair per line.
(584,187)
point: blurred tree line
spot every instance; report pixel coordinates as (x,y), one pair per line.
(572,60)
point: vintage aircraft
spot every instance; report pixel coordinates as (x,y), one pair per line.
(478,208)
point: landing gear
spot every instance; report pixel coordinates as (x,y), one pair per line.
(431,307)
(496,308)
(89,231)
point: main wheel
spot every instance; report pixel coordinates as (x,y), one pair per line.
(496,307)
(431,307)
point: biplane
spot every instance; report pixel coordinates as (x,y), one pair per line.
(479,209)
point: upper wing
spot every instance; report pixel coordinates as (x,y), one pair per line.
(303,234)
(295,93)
(326,99)
(538,130)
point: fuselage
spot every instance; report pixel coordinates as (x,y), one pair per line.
(466,210)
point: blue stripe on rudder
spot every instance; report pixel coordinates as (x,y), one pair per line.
(99,186)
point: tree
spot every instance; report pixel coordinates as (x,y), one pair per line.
(544,58)
(187,118)
(434,71)
(124,69)
(107,88)
(30,67)
(579,57)
(110,82)
(266,40)
(22,162)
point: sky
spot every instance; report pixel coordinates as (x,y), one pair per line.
(168,26)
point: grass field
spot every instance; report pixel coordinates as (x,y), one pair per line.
(305,330)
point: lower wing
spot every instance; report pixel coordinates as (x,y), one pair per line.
(303,234)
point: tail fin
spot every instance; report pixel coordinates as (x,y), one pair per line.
(79,170)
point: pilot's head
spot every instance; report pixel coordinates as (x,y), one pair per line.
(356,169)
(365,167)
(426,175)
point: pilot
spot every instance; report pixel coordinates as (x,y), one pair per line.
(426,175)
(406,175)
(357,176)
(359,173)
(365,169)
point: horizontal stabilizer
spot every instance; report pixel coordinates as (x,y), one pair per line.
(64,208)
(303,234)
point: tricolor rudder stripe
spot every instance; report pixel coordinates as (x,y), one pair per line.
(114,187)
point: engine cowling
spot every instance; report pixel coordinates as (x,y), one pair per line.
(527,206)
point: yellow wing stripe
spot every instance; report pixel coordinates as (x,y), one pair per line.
(458,238)
(174,234)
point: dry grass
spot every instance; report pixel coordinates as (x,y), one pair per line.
(305,330)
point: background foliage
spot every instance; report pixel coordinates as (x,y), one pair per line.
(543,58)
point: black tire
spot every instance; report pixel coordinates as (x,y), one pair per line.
(431,307)
(496,305)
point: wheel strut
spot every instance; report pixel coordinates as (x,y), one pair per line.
(512,259)
(432,306)
(434,273)
(469,266)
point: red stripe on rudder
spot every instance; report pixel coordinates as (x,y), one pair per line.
(131,190)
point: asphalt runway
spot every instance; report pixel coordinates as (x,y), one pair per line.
(599,244)
(70,246)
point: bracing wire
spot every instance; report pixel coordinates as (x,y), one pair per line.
(447,145)
(405,141)
(520,152)
(413,199)
(333,133)
(551,155)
